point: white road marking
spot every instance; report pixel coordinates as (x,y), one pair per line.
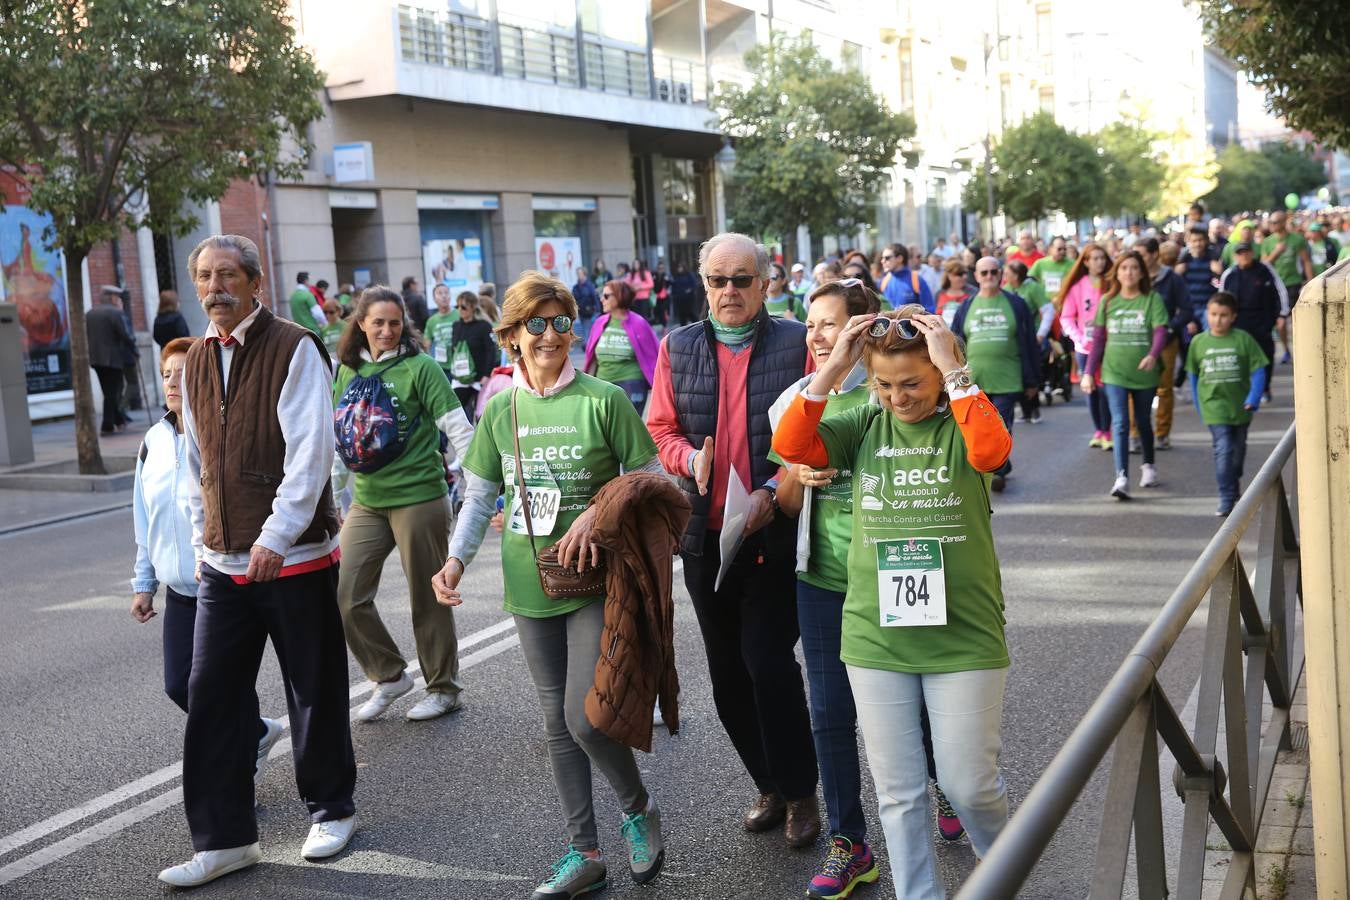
(69,817)
(105,601)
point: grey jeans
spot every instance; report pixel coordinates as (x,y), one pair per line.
(561,652)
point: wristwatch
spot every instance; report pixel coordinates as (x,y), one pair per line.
(957,379)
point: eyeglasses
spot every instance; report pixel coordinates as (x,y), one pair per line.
(740,281)
(536,324)
(986,271)
(464,306)
(880,326)
(886,257)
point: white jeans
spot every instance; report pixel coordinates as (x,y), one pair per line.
(965,710)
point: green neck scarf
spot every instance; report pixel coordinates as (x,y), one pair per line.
(732,336)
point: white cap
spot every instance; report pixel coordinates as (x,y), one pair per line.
(798,267)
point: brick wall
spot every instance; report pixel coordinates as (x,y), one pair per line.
(102,271)
(241,212)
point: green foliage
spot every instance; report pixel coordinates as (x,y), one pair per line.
(813,143)
(1251,179)
(1133,172)
(1295,50)
(115,100)
(1039,166)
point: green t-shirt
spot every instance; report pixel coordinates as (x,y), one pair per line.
(1129,335)
(439,328)
(1050,273)
(573,442)
(783,304)
(417,388)
(914,482)
(991,345)
(1287,265)
(832,511)
(302,308)
(1034,296)
(330,333)
(1224,368)
(615,360)
(1322,253)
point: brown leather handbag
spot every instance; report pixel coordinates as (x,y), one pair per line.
(558,582)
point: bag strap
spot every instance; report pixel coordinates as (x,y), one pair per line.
(520,475)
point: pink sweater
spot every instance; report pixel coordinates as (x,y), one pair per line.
(1080,308)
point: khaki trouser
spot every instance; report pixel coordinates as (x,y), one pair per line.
(1162,425)
(421,532)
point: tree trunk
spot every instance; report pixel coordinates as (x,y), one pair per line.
(86,435)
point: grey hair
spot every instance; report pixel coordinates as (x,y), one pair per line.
(728,237)
(247,250)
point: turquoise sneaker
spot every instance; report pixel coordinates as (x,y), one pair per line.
(572,876)
(646,847)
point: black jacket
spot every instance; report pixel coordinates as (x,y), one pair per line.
(168,326)
(1171,287)
(1028,348)
(111,344)
(1258,291)
(478,335)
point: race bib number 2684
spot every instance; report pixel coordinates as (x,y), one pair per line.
(911,584)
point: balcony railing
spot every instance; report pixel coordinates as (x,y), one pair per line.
(539,52)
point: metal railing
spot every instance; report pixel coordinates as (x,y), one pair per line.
(536,52)
(1133,711)
(441,38)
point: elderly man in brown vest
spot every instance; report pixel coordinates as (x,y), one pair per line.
(258,420)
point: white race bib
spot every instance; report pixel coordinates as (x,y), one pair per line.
(439,353)
(911,584)
(544,502)
(1052,282)
(462,367)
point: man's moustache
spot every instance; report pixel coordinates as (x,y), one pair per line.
(211,300)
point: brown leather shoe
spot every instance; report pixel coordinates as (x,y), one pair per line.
(803,822)
(768,812)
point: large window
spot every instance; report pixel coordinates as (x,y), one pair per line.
(906,74)
(618,20)
(1043,33)
(682,185)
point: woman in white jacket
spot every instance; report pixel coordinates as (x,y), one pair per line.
(164,538)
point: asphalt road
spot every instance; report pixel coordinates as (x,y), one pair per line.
(464,807)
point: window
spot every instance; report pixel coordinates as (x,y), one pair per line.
(1043,33)
(1004,99)
(682,186)
(852,56)
(906,74)
(1048,100)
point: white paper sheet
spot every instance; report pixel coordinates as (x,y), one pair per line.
(734,514)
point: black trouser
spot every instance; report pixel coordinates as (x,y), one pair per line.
(468,398)
(234,621)
(110,381)
(749,632)
(180,620)
(131,391)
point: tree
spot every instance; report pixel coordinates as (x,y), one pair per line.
(813,143)
(1191,168)
(1039,166)
(1296,52)
(111,102)
(1246,181)
(1295,170)
(1133,169)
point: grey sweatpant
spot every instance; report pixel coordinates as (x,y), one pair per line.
(561,652)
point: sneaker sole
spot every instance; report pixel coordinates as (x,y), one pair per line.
(454,709)
(1121,495)
(598,886)
(867,877)
(232,867)
(649,874)
(328,854)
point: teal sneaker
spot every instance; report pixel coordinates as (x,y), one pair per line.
(646,848)
(572,876)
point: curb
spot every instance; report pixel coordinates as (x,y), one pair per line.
(69,517)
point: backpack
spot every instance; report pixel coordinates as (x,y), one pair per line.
(365,424)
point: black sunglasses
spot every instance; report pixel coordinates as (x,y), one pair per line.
(883,324)
(536,324)
(986,271)
(740,281)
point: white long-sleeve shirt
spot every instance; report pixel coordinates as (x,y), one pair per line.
(305,411)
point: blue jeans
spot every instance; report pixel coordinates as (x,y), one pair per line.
(834,721)
(1006,404)
(1118,397)
(966,712)
(1230,453)
(1096,401)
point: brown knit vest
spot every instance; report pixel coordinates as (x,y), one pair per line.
(239,433)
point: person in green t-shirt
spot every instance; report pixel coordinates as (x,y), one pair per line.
(331,330)
(779,300)
(439,327)
(403,504)
(923,615)
(1050,270)
(1242,234)
(1228,376)
(1287,253)
(575,433)
(305,309)
(1129,333)
(622,347)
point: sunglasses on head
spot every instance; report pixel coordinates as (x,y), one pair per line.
(536,324)
(740,281)
(880,326)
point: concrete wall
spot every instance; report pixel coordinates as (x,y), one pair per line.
(304,236)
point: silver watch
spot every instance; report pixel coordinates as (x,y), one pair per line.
(957,379)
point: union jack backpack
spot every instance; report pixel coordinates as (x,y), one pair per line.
(365,424)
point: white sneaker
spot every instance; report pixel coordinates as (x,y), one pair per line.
(1148,475)
(434,704)
(328,838)
(385,693)
(208,865)
(266,743)
(1121,489)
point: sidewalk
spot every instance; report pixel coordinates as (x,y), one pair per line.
(54,442)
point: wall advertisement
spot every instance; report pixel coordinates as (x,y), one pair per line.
(559,257)
(33,277)
(455,263)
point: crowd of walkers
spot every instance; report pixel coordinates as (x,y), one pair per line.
(857,416)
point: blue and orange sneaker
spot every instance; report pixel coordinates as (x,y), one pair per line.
(846,866)
(949,826)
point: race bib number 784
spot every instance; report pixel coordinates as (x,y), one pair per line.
(911,584)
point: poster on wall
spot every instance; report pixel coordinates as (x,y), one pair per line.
(559,257)
(33,277)
(456,263)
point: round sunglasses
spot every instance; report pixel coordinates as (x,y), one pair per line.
(536,324)
(881,325)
